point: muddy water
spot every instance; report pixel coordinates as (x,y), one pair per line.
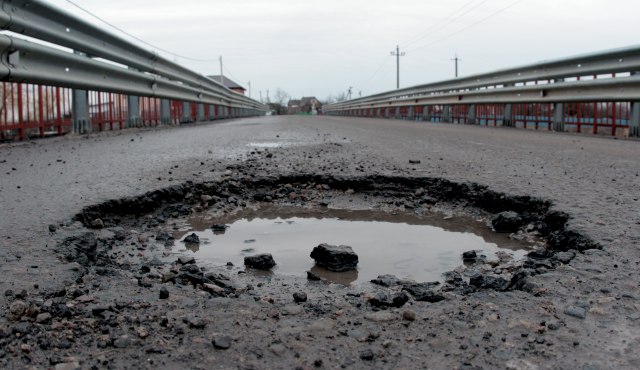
(405,245)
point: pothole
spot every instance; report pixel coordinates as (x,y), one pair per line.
(407,245)
(138,229)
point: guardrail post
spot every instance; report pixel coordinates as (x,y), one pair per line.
(446,114)
(186,112)
(80,112)
(471,115)
(201,116)
(80,108)
(634,125)
(507,119)
(165,111)
(426,115)
(134,111)
(558,117)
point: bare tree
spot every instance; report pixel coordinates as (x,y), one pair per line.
(341,97)
(329,99)
(280,97)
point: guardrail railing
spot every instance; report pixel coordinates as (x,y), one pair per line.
(598,93)
(92,79)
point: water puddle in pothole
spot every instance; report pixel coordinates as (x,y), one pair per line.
(408,246)
(266,145)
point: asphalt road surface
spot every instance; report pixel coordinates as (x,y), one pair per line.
(595,179)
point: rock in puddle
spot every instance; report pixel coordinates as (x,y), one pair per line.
(192,238)
(470,256)
(337,258)
(260,261)
(219,228)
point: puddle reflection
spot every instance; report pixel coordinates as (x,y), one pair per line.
(405,245)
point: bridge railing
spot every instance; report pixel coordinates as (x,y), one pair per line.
(598,93)
(100,78)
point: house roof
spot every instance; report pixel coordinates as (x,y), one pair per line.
(308,99)
(228,83)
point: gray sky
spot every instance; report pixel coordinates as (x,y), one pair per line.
(323,47)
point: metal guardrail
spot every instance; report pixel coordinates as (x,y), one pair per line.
(133,71)
(531,83)
(608,76)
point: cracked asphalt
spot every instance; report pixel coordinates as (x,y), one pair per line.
(594,179)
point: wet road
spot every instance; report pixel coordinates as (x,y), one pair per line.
(46,182)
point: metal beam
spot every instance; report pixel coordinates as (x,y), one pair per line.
(38,19)
(24,61)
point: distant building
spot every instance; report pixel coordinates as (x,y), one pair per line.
(306,105)
(293,107)
(310,105)
(228,83)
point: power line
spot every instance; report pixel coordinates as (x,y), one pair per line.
(449,18)
(231,74)
(384,63)
(469,26)
(139,39)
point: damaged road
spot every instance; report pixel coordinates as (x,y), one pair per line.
(95,287)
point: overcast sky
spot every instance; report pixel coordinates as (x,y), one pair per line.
(318,48)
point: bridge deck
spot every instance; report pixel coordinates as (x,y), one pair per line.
(594,178)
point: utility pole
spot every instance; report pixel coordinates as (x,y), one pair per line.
(221,74)
(398,54)
(456,60)
(260,96)
(268,101)
(349,93)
